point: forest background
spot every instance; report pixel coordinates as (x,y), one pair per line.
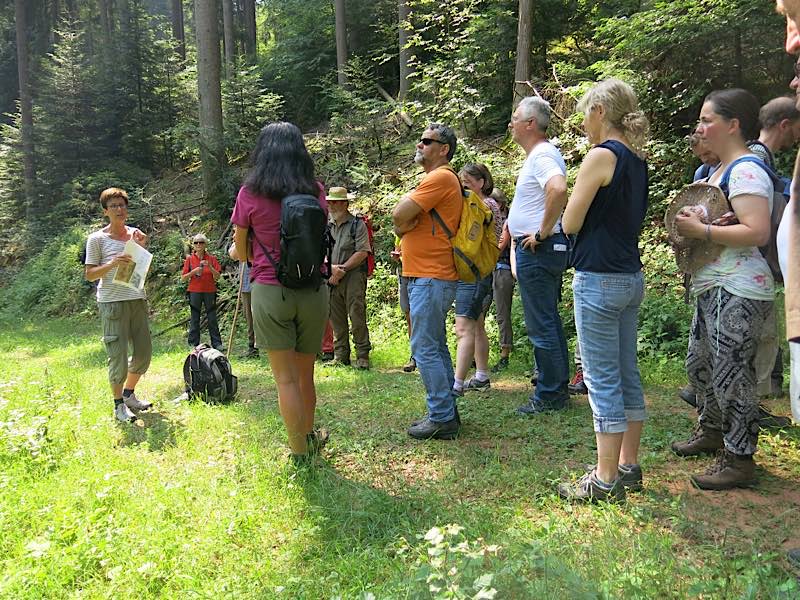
(105,92)
(165,98)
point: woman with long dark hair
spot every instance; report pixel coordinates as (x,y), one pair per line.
(734,294)
(289,323)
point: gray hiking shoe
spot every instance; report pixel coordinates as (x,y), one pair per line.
(123,413)
(630,476)
(134,403)
(473,383)
(590,489)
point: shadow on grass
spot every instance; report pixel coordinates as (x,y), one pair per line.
(152,428)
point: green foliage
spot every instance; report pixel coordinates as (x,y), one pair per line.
(52,282)
(247,106)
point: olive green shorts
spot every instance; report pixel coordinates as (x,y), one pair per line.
(125,324)
(287,319)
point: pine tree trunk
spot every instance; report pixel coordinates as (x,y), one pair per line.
(403,12)
(26,108)
(212,148)
(522,71)
(177,27)
(105,21)
(341,41)
(229,30)
(250,45)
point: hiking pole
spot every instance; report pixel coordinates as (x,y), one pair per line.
(236,310)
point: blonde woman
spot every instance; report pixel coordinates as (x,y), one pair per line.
(605,212)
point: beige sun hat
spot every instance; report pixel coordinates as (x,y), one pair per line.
(692,253)
(339,193)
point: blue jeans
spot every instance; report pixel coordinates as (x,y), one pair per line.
(539,275)
(430,299)
(607,316)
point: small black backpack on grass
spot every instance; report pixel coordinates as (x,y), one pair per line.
(207,374)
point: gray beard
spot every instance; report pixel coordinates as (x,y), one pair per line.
(418,158)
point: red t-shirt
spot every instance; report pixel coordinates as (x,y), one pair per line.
(263,215)
(205,281)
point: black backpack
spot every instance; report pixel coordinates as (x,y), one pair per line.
(207,374)
(305,241)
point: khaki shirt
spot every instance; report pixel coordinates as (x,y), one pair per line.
(344,244)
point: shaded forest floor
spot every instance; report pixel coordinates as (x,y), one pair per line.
(198,501)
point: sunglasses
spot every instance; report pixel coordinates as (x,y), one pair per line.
(201,243)
(429,141)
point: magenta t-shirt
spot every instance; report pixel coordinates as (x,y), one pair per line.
(263,215)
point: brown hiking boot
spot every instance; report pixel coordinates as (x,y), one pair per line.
(728,472)
(702,441)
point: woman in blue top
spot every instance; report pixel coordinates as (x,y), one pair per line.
(606,210)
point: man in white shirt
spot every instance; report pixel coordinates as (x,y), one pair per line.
(540,245)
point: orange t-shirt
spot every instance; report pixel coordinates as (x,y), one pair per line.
(427,251)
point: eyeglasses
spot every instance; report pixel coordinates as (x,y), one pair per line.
(115,206)
(429,141)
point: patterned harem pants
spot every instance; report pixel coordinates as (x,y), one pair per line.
(721,365)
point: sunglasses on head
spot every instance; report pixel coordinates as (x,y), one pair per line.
(429,141)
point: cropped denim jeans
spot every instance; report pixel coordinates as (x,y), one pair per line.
(539,275)
(430,299)
(606,317)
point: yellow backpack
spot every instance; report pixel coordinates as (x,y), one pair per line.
(475,248)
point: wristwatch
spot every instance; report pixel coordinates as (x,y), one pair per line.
(538,236)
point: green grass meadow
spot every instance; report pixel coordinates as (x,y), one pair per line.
(199,501)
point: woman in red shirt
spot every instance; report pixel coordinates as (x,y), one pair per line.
(202,270)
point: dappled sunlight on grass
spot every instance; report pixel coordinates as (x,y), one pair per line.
(178,503)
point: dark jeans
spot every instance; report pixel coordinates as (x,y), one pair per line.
(539,277)
(196,302)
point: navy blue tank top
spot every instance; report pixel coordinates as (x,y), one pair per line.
(608,242)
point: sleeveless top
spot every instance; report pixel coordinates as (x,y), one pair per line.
(608,242)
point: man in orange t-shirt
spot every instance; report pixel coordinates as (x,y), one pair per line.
(432,277)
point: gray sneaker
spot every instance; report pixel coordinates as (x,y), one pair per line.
(630,476)
(590,489)
(134,403)
(123,413)
(473,383)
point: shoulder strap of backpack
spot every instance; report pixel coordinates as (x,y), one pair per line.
(435,214)
(726,176)
(266,252)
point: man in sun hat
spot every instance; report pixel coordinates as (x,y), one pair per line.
(348,280)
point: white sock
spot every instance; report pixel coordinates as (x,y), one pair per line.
(481,375)
(458,385)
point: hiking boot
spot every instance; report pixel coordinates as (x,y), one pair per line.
(252,352)
(688,395)
(134,403)
(410,366)
(532,408)
(577,385)
(729,471)
(793,556)
(317,440)
(428,429)
(326,357)
(501,365)
(702,441)
(362,363)
(458,393)
(220,348)
(123,413)
(340,362)
(473,383)
(767,420)
(425,416)
(590,489)
(535,376)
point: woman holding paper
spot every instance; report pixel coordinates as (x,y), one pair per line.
(123,308)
